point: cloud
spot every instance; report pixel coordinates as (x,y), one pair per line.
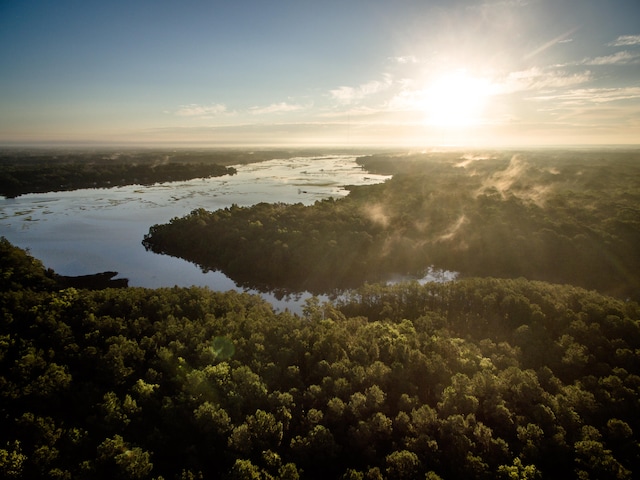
(405,59)
(537,79)
(626,41)
(501,4)
(593,95)
(281,107)
(346,95)
(408,99)
(559,39)
(357,114)
(194,110)
(618,58)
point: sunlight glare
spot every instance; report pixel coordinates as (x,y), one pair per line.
(455,99)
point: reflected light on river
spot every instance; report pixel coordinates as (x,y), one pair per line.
(95,230)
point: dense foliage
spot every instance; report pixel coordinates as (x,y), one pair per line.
(479,379)
(570,217)
(277,246)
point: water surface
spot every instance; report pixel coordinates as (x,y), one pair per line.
(94,230)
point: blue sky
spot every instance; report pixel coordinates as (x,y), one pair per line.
(349,72)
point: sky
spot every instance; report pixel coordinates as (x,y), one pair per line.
(302,72)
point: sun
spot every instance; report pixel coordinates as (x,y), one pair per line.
(454,100)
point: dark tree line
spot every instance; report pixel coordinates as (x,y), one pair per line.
(19,179)
(481,378)
(45,170)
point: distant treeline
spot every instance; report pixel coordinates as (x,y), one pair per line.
(567,217)
(56,156)
(17,180)
(43,170)
(476,379)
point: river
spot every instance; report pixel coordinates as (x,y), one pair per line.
(94,230)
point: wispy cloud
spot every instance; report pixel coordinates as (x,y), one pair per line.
(411,96)
(282,107)
(583,96)
(357,112)
(618,58)
(626,41)
(501,4)
(538,79)
(559,39)
(346,95)
(195,110)
(405,59)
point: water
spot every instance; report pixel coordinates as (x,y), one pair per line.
(94,230)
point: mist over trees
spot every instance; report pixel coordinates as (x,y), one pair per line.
(568,217)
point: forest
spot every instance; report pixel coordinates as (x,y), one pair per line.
(480,378)
(564,217)
(527,366)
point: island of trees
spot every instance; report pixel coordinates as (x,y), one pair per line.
(481,378)
(565,217)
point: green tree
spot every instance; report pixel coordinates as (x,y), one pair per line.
(593,460)
(12,460)
(402,465)
(245,470)
(258,433)
(125,461)
(518,471)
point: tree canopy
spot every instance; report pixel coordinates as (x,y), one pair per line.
(481,378)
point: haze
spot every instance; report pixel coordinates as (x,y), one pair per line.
(410,73)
